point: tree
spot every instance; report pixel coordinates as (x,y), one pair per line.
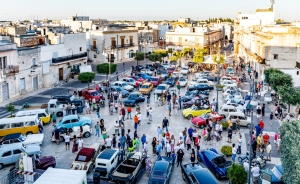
(185,51)
(288,95)
(178,55)
(289,151)
(155,57)
(217,59)
(86,76)
(139,56)
(170,50)
(173,58)
(237,174)
(268,72)
(162,52)
(279,21)
(10,108)
(104,68)
(199,55)
(279,79)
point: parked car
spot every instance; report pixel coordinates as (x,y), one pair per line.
(65,99)
(161,88)
(137,78)
(123,85)
(175,75)
(195,111)
(165,66)
(225,109)
(228,82)
(236,105)
(144,76)
(171,70)
(133,99)
(146,88)
(232,91)
(234,98)
(86,131)
(205,81)
(277,175)
(244,120)
(150,67)
(130,169)
(200,121)
(45,162)
(182,82)
(129,81)
(92,93)
(107,161)
(13,138)
(201,87)
(161,171)
(184,70)
(194,173)
(73,120)
(139,67)
(85,159)
(164,74)
(155,81)
(119,89)
(216,163)
(170,81)
(34,139)
(147,72)
(188,93)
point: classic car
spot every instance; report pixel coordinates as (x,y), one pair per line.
(170,81)
(188,93)
(119,89)
(34,139)
(195,111)
(231,92)
(130,169)
(137,78)
(182,82)
(201,87)
(228,82)
(147,72)
(234,98)
(277,175)
(92,93)
(175,75)
(139,67)
(193,101)
(236,105)
(194,173)
(45,162)
(146,88)
(216,163)
(161,171)
(200,121)
(123,85)
(225,109)
(205,81)
(73,120)
(133,99)
(130,81)
(155,81)
(164,74)
(150,67)
(76,130)
(143,75)
(171,70)
(184,70)
(86,157)
(13,138)
(165,65)
(161,88)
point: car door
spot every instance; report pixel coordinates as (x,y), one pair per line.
(6,157)
(243,120)
(16,155)
(75,122)
(67,124)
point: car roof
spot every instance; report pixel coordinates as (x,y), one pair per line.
(8,147)
(88,152)
(204,176)
(191,167)
(236,113)
(70,117)
(160,165)
(11,136)
(227,106)
(107,154)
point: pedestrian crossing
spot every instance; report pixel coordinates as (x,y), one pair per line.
(3,112)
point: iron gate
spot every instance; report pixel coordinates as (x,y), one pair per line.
(5,92)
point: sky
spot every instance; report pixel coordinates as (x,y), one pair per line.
(287,10)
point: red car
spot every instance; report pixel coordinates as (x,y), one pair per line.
(137,78)
(92,93)
(171,70)
(200,121)
(155,81)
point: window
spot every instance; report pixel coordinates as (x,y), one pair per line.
(186,40)
(74,120)
(67,122)
(4,126)
(150,37)
(8,153)
(80,48)
(297,72)
(3,63)
(17,152)
(95,56)
(41,115)
(30,123)
(33,62)
(112,161)
(275,56)
(14,125)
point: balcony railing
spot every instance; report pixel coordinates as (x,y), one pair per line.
(126,45)
(93,47)
(68,58)
(182,44)
(11,70)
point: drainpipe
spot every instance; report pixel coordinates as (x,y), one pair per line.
(117,47)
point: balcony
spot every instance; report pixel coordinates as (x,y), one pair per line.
(182,44)
(11,70)
(125,45)
(69,58)
(94,48)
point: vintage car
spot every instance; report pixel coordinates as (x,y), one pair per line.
(123,85)
(34,139)
(164,74)
(161,88)
(202,87)
(200,121)
(147,72)
(130,169)
(133,99)
(194,173)
(73,120)
(171,70)
(85,159)
(161,171)
(13,138)
(183,81)
(171,81)
(144,76)
(119,89)
(137,78)
(86,132)
(216,163)
(194,101)
(45,162)
(92,93)
(155,81)
(277,175)
(146,88)
(234,98)
(195,111)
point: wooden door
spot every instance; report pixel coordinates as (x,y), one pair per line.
(180,41)
(61,73)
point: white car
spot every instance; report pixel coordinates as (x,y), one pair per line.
(226,78)
(194,82)
(86,132)
(184,70)
(175,75)
(123,85)
(237,106)
(205,81)
(130,81)
(106,162)
(182,82)
(165,66)
(232,91)
(147,71)
(161,88)
(228,82)
(34,139)
(226,109)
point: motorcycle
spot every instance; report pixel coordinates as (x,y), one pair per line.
(260,161)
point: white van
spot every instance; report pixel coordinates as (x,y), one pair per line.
(106,162)
(41,113)
(244,120)
(226,109)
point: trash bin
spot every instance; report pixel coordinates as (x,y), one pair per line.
(79,109)
(234,126)
(96,177)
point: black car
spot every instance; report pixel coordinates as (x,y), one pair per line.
(139,67)
(186,98)
(170,81)
(13,138)
(65,99)
(133,99)
(188,93)
(202,87)
(194,173)
(150,67)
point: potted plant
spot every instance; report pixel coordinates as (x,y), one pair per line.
(226,150)
(224,125)
(237,174)
(219,87)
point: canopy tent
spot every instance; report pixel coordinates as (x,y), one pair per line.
(208,60)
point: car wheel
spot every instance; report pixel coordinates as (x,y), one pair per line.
(61,138)
(218,176)
(87,134)
(190,116)
(199,158)
(249,125)
(183,176)
(201,126)
(223,116)
(91,167)
(1,166)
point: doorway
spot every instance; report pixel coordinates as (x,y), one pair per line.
(61,74)
(5,93)
(22,84)
(35,83)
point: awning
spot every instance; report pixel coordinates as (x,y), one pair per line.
(209,61)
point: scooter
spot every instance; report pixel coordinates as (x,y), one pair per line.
(260,161)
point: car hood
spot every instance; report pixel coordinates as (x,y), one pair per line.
(123,92)
(46,159)
(85,119)
(197,119)
(129,101)
(77,165)
(158,91)
(187,111)
(34,138)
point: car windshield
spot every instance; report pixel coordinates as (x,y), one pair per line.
(154,79)
(163,72)
(161,87)
(132,97)
(171,68)
(95,93)
(170,79)
(124,84)
(194,107)
(118,89)
(81,158)
(181,79)
(145,86)
(159,174)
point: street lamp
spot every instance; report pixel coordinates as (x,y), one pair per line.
(218,76)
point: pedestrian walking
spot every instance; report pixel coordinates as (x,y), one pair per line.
(172,142)
(239,151)
(255,174)
(229,134)
(188,143)
(108,142)
(165,123)
(150,114)
(80,143)
(153,143)
(129,112)
(169,108)
(67,141)
(104,134)
(136,122)
(137,143)
(75,144)
(193,157)
(234,151)
(145,147)
(40,126)
(159,132)
(269,150)
(97,127)
(180,155)
(148,165)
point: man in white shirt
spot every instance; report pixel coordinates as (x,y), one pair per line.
(255,174)
(234,150)
(240,145)
(108,142)
(139,118)
(176,148)
(145,147)
(246,166)
(269,150)
(80,143)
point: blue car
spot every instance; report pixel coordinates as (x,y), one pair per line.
(277,175)
(194,173)
(214,162)
(161,171)
(170,81)
(133,99)
(119,89)
(144,76)
(73,120)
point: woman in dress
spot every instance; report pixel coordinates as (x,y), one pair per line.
(193,157)
(172,142)
(148,165)
(153,143)
(263,110)
(104,134)
(75,144)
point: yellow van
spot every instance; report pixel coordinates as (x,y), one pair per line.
(41,113)
(25,125)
